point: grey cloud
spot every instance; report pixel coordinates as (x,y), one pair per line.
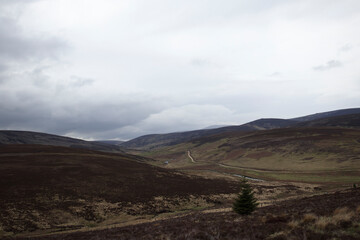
(24,55)
(207,55)
(39,78)
(17,1)
(329,65)
(98,119)
(81,82)
(18,47)
(199,62)
(346,48)
(15,46)
(275,74)
(2,68)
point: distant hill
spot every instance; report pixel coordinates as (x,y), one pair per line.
(216,126)
(292,149)
(112,142)
(328,114)
(160,140)
(351,121)
(26,137)
(269,123)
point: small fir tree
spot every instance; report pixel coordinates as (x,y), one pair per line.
(245,203)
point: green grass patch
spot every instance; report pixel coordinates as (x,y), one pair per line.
(320,177)
(312,178)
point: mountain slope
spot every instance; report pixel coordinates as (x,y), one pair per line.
(269,123)
(152,141)
(111,142)
(350,121)
(26,137)
(328,114)
(158,140)
(322,155)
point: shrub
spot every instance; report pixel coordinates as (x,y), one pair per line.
(245,203)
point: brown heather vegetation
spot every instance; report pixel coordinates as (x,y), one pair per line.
(328,216)
(47,188)
(66,193)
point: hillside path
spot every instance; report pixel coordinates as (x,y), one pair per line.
(189,155)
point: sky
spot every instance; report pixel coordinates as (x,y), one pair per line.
(111,69)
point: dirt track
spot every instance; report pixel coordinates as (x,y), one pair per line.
(189,155)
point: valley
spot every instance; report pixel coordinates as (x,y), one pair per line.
(54,187)
(314,155)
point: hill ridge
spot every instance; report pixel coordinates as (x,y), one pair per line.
(31,137)
(151,141)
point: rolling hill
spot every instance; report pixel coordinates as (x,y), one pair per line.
(51,188)
(309,154)
(335,113)
(154,141)
(159,140)
(112,142)
(348,121)
(26,137)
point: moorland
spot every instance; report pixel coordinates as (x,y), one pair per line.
(305,173)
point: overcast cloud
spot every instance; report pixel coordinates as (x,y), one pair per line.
(113,69)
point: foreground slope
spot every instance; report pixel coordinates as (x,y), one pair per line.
(26,137)
(328,216)
(47,188)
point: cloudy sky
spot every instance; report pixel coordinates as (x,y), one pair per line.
(118,69)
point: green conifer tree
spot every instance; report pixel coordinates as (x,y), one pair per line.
(245,203)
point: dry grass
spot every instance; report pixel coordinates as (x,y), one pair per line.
(342,219)
(278,235)
(343,214)
(308,218)
(323,223)
(294,224)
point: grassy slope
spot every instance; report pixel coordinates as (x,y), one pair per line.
(300,154)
